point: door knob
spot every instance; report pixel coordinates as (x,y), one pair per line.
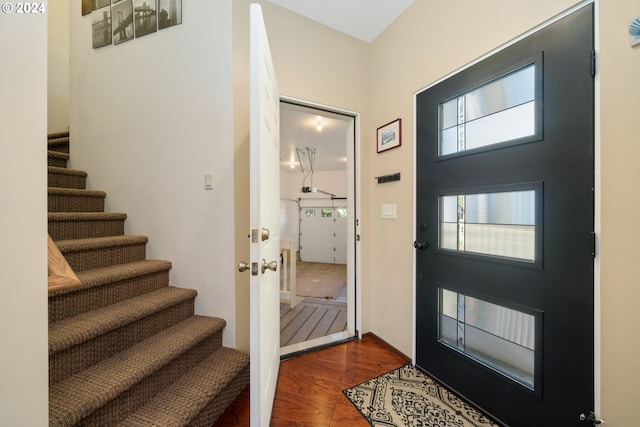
(273,266)
(243,266)
(420,245)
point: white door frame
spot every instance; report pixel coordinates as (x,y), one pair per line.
(354,298)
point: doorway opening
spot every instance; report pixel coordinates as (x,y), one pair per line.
(318,221)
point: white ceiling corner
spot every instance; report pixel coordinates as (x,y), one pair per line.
(362,19)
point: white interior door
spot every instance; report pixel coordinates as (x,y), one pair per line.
(264,218)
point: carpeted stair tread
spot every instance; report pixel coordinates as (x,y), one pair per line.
(58,144)
(60,139)
(86,216)
(97,252)
(55,135)
(75,200)
(57,158)
(83,327)
(65,171)
(66,178)
(108,285)
(113,273)
(179,404)
(72,400)
(58,191)
(77,245)
(83,225)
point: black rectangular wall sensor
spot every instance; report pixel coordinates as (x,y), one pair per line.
(388,178)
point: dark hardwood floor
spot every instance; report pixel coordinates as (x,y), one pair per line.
(310,386)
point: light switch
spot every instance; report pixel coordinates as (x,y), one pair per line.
(208,181)
(389,211)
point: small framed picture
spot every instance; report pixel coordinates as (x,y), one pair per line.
(390,135)
(101,27)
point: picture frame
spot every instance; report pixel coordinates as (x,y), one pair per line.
(122,21)
(101,27)
(389,136)
(89,6)
(169,13)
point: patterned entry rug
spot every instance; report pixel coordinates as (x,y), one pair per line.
(407,397)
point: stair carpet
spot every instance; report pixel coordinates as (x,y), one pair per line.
(126,348)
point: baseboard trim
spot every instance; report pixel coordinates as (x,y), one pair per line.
(391,348)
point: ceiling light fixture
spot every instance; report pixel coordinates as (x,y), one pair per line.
(319,123)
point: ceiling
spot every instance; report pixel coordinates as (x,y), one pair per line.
(362,19)
(299,131)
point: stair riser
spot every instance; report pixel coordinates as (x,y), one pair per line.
(64,230)
(59,163)
(64,203)
(58,144)
(71,361)
(82,301)
(57,135)
(60,180)
(104,257)
(131,400)
(219,404)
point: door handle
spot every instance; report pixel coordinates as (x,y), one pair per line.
(420,245)
(243,266)
(273,266)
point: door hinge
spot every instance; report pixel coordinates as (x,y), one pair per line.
(593,62)
(592,243)
(591,418)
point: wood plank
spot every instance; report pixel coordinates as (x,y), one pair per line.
(284,308)
(299,317)
(61,275)
(322,328)
(293,320)
(339,324)
(289,316)
(308,326)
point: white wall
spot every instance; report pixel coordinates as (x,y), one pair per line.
(148,118)
(23,245)
(620,175)
(58,66)
(334,182)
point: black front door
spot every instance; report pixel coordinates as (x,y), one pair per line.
(504,242)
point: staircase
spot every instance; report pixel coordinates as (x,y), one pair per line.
(125,348)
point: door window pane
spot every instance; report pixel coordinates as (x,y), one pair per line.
(499,111)
(496,336)
(501,224)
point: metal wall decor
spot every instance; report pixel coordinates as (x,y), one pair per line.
(634,31)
